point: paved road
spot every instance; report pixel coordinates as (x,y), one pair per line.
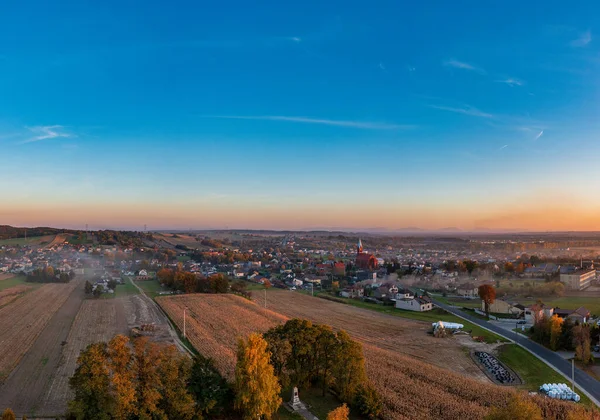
(589,385)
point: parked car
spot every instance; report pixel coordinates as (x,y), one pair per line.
(596,348)
(522,322)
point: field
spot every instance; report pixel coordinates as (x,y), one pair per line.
(9,295)
(24,320)
(16,281)
(97,320)
(58,239)
(215,322)
(150,287)
(33,241)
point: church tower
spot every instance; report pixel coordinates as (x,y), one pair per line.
(359,247)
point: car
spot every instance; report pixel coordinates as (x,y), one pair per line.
(521,322)
(596,348)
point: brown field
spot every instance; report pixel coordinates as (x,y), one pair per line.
(23,320)
(410,388)
(6,276)
(97,320)
(12,293)
(58,239)
(215,322)
(399,335)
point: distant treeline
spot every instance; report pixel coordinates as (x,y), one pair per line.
(10,232)
(49,275)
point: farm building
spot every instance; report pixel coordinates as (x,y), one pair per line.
(503,307)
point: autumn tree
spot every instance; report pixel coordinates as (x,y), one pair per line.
(349,368)
(470,265)
(518,408)
(8,414)
(257,387)
(122,378)
(581,342)
(219,283)
(487,293)
(267,284)
(340,413)
(174,372)
(145,362)
(91,385)
(367,401)
(555,324)
(166,276)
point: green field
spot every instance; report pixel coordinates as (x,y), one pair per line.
(150,287)
(434,315)
(35,240)
(456,301)
(532,370)
(16,281)
(122,290)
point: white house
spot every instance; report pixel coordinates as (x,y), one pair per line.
(415,304)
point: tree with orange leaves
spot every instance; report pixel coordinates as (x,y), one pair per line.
(487,293)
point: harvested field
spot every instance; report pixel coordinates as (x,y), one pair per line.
(58,239)
(12,293)
(215,322)
(6,276)
(399,335)
(25,387)
(97,320)
(140,310)
(22,321)
(410,388)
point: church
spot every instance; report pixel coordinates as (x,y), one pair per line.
(365,260)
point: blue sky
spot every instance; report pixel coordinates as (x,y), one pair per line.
(311,114)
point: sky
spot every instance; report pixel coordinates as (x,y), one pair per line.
(298,115)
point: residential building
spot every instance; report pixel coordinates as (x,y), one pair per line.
(418,304)
(467,289)
(503,307)
(578,280)
(536,311)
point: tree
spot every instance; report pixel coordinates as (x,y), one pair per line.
(210,390)
(257,388)
(267,284)
(8,414)
(555,325)
(88,287)
(166,276)
(112,284)
(367,401)
(518,408)
(122,378)
(470,265)
(91,385)
(174,372)
(581,342)
(349,368)
(487,293)
(509,267)
(340,413)
(146,358)
(97,292)
(219,283)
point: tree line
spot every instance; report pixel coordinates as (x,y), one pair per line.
(187,282)
(49,275)
(560,334)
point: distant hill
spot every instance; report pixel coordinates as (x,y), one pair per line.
(9,232)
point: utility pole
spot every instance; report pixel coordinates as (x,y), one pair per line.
(573,374)
(265,298)
(184,323)
(312,289)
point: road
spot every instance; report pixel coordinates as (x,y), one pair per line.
(588,385)
(172,329)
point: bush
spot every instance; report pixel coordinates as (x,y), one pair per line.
(367,401)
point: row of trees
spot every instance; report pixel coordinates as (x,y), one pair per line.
(144,380)
(50,275)
(559,334)
(192,283)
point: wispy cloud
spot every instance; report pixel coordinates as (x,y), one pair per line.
(467,110)
(296,39)
(511,82)
(306,120)
(382,66)
(46,132)
(464,66)
(502,148)
(540,134)
(584,39)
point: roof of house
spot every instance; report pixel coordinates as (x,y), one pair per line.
(467,286)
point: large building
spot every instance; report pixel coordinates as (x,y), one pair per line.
(365,260)
(579,279)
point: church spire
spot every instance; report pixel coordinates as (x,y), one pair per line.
(359,247)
